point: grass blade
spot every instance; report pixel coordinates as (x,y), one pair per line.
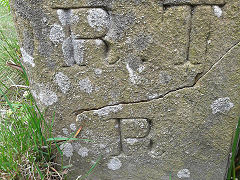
(231,170)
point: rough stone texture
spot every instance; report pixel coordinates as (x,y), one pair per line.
(155,84)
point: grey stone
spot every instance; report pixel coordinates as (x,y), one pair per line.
(154,84)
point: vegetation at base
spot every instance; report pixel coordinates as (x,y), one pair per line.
(234,166)
(28,149)
(25,149)
(4,3)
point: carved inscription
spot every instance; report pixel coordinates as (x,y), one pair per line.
(84,29)
(134,135)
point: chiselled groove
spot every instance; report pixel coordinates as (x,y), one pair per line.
(189,32)
(107,47)
(92,38)
(72,49)
(120,136)
(167,93)
(150,145)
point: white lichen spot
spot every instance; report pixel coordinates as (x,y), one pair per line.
(184,173)
(63,82)
(81,117)
(67,149)
(44,94)
(27,58)
(56,34)
(67,48)
(109,109)
(134,78)
(73,127)
(98,19)
(221,105)
(114,164)
(98,71)
(217,11)
(98,42)
(86,85)
(62,16)
(131,141)
(78,47)
(141,68)
(65,131)
(67,17)
(83,152)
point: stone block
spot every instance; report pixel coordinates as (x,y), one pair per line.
(154,84)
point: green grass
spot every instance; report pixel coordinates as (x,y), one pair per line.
(27,146)
(24,149)
(234,167)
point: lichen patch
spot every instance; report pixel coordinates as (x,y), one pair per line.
(27,58)
(217,11)
(86,85)
(56,34)
(73,127)
(106,110)
(63,16)
(44,94)
(83,151)
(114,164)
(131,141)
(65,131)
(184,173)
(63,82)
(78,47)
(134,78)
(98,71)
(67,48)
(221,105)
(67,149)
(98,19)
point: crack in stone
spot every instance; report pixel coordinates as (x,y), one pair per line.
(77,112)
(215,64)
(163,95)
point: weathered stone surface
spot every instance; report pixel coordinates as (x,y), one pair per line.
(135,128)
(155,84)
(89,23)
(193,2)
